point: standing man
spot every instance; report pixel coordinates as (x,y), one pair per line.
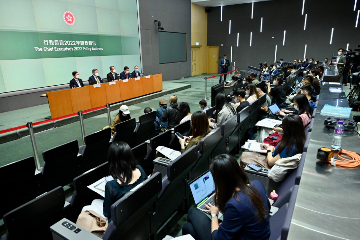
(95,78)
(76,82)
(224,64)
(112,75)
(340,65)
(125,74)
(135,73)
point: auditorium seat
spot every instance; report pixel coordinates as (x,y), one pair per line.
(206,147)
(139,153)
(61,165)
(174,195)
(133,215)
(95,150)
(307,141)
(185,130)
(314,113)
(210,112)
(227,128)
(33,219)
(82,195)
(280,222)
(160,140)
(19,184)
(145,129)
(310,126)
(124,131)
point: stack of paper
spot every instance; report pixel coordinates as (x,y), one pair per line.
(268,123)
(168,152)
(253,146)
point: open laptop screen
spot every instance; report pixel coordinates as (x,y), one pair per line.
(274,108)
(202,187)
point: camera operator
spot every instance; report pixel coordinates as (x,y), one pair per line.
(340,65)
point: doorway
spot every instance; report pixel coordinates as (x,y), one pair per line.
(195,66)
(213,59)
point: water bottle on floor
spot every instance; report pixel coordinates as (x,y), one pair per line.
(338,133)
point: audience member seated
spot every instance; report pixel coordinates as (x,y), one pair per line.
(275,71)
(253,79)
(112,75)
(203,105)
(200,128)
(265,111)
(122,116)
(316,80)
(127,175)
(304,64)
(240,101)
(156,122)
(135,73)
(171,114)
(244,204)
(125,74)
(185,114)
(76,82)
(303,109)
(307,90)
(224,111)
(253,93)
(265,69)
(277,93)
(237,76)
(292,142)
(159,113)
(95,78)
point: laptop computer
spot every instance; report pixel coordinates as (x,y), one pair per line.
(203,191)
(274,108)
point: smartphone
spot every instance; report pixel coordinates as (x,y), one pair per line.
(179,135)
(256,168)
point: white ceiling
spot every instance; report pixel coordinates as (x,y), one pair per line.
(215,3)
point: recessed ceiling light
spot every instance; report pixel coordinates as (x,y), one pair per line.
(272,37)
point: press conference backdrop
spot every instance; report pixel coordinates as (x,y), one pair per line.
(42,41)
(172,47)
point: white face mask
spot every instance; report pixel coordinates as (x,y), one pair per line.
(77,76)
(236,100)
(310,61)
(339,53)
(296,107)
(201,108)
(247,95)
(96,74)
(274,82)
(136,70)
(114,70)
(127,72)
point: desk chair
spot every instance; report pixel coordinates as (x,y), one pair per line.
(281,220)
(139,153)
(61,165)
(95,150)
(18,184)
(124,131)
(146,128)
(227,128)
(210,112)
(160,140)
(33,219)
(185,130)
(174,193)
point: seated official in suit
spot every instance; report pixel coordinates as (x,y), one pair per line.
(95,78)
(125,74)
(135,73)
(76,82)
(112,75)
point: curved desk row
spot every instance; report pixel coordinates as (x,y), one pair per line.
(69,101)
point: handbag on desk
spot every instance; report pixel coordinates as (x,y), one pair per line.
(92,222)
(255,158)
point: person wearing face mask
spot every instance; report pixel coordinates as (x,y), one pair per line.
(135,73)
(203,105)
(340,65)
(112,75)
(95,78)
(281,63)
(311,64)
(122,116)
(160,112)
(277,93)
(305,64)
(302,108)
(240,100)
(224,64)
(125,74)
(76,82)
(275,71)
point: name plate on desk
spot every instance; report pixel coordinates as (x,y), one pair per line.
(97,85)
(125,80)
(137,79)
(112,83)
(147,76)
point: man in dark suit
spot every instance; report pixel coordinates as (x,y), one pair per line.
(112,75)
(281,63)
(95,78)
(125,74)
(224,64)
(135,73)
(76,82)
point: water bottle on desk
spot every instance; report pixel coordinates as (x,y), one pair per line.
(338,133)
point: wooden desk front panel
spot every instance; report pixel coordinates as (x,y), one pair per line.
(148,84)
(113,92)
(60,103)
(98,96)
(126,89)
(80,98)
(138,88)
(158,82)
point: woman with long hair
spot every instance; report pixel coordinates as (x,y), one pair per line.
(253,93)
(292,142)
(224,111)
(244,204)
(302,107)
(185,114)
(200,128)
(122,116)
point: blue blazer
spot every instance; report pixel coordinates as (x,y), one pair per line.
(92,79)
(224,69)
(276,71)
(123,75)
(133,74)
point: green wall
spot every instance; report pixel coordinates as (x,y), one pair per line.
(38,48)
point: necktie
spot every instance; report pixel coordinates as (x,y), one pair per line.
(126,75)
(97,80)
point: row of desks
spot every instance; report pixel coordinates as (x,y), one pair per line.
(66,102)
